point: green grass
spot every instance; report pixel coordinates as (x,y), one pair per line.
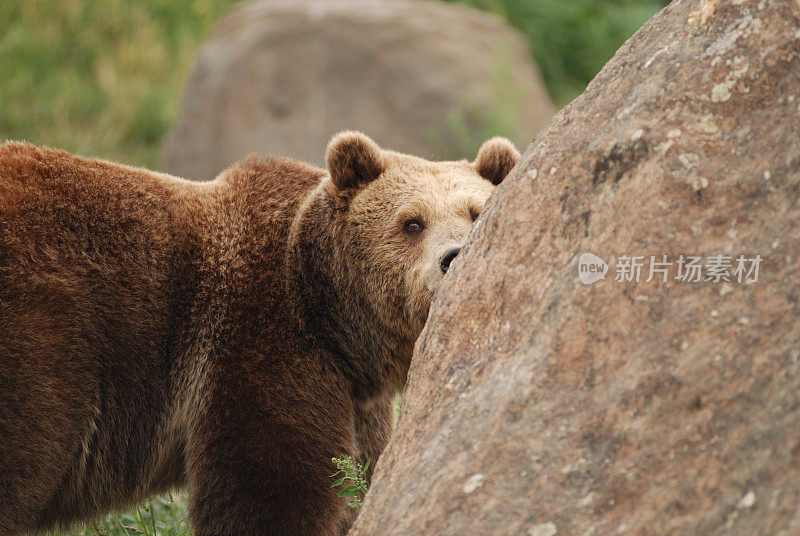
(99,78)
(160,516)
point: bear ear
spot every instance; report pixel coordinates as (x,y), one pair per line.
(353,159)
(495,159)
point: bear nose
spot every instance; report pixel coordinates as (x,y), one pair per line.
(447,258)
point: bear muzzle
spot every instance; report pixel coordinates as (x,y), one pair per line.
(447,258)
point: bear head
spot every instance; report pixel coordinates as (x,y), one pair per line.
(375,239)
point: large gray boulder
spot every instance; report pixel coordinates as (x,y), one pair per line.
(283,76)
(538,405)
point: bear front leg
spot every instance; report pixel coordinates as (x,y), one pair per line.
(374,423)
(47,416)
(259,460)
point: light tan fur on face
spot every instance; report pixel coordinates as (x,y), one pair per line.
(445,197)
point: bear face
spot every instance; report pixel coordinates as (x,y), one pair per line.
(394,224)
(410,221)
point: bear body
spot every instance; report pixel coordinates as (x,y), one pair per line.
(229,336)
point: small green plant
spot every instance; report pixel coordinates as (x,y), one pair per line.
(353,481)
(160,516)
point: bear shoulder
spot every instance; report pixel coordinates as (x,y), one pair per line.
(268,181)
(20,159)
(264,171)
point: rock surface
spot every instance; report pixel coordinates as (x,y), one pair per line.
(538,405)
(426,78)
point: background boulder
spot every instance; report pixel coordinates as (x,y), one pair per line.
(538,405)
(282,76)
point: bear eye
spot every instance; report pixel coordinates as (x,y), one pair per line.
(474,214)
(412,226)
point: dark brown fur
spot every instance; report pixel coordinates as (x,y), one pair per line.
(147,341)
(230,336)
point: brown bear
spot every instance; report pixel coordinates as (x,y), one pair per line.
(230,336)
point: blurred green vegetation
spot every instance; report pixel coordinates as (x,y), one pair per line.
(100,78)
(571,40)
(103,77)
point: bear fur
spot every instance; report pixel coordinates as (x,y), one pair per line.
(229,336)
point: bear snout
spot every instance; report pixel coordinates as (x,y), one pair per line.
(447,258)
